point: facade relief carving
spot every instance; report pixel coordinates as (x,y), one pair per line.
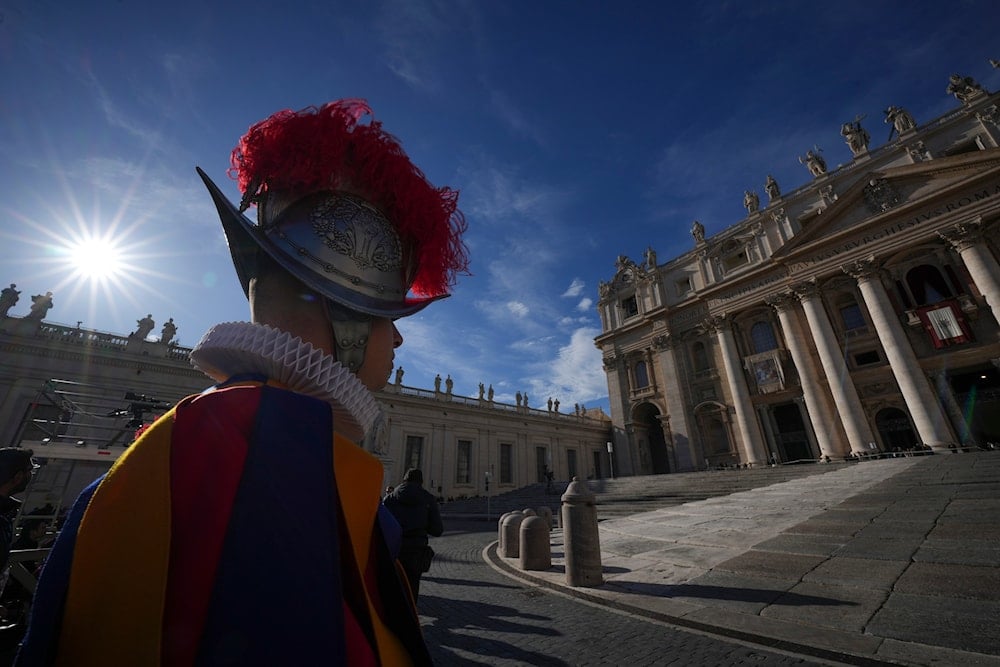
(964,235)
(880,195)
(918,152)
(828,196)
(878,388)
(989,115)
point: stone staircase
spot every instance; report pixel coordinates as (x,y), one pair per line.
(629,495)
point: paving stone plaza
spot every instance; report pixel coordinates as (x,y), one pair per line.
(895,561)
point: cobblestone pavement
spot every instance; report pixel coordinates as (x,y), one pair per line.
(473,615)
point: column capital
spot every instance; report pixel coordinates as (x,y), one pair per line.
(862,270)
(782,301)
(807,289)
(717,323)
(964,235)
(778,216)
(611,362)
(664,342)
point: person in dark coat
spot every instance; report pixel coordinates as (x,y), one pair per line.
(417,512)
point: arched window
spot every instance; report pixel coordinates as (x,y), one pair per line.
(641,375)
(762,337)
(699,355)
(927,285)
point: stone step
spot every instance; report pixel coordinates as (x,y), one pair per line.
(629,495)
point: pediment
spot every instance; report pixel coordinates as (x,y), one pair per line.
(880,195)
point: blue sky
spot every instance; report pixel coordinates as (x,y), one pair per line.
(575,131)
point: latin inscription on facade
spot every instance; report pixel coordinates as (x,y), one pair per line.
(901,226)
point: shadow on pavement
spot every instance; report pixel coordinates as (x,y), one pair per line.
(464,582)
(456,630)
(760,595)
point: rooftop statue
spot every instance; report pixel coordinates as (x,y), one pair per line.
(146,325)
(857,137)
(40,305)
(8,297)
(751,201)
(964,88)
(650,258)
(168,332)
(900,118)
(698,232)
(814,162)
(772,189)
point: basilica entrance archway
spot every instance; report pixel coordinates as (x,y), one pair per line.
(895,429)
(650,438)
(790,432)
(977,392)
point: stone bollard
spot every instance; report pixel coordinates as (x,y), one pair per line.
(582,542)
(512,535)
(500,532)
(545,513)
(527,511)
(536,552)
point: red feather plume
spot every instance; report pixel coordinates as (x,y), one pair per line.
(326,148)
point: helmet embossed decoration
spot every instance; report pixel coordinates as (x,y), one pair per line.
(342,208)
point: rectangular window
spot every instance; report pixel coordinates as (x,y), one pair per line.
(735,260)
(414,451)
(866,358)
(683,286)
(630,308)
(506,463)
(463,461)
(852,317)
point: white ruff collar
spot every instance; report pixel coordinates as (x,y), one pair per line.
(234,348)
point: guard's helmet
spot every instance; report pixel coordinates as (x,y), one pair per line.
(342,208)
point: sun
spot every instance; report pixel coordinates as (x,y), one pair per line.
(96,258)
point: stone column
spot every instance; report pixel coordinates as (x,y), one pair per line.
(967,239)
(845,394)
(951,406)
(817,405)
(751,442)
(674,393)
(923,405)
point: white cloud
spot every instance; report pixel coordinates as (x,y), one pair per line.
(575,374)
(585,304)
(517,309)
(575,288)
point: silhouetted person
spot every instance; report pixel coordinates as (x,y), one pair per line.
(417,512)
